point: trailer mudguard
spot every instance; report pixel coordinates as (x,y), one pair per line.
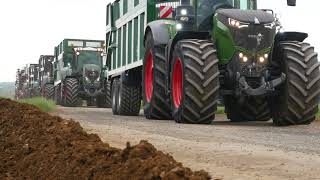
(160,32)
(290,36)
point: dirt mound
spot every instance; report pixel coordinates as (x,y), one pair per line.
(36,145)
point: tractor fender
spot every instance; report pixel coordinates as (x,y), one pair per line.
(290,36)
(159,30)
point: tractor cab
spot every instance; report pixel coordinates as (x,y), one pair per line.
(88,61)
(84,56)
(198,15)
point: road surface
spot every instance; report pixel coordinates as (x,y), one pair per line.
(253,150)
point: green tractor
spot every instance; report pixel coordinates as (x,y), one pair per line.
(33,86)
(79,74)
(46,76)
(196,51)
(21,80)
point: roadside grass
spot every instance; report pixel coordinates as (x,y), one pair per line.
(220,110)
(41,103)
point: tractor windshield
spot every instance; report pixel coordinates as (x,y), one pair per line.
(207,8)
(88,57)
(238,4)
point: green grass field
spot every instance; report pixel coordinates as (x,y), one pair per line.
(41,103)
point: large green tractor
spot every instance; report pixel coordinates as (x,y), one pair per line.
(78,73)
(46,76)
(196,51)
(33,86)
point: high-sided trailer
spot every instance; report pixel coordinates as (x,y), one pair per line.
(179,56)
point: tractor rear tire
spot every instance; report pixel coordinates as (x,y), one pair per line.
(154,81)
(115,97)
(71,93)
(194,82)
(297,102)
(49,91)
(129,101)
(253,109)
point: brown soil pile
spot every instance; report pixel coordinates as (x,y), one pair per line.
(36,145)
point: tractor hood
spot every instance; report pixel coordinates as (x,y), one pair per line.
(253,30)
(247,16)
(91,71)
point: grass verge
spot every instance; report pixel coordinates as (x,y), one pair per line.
(41,103)
(220,110)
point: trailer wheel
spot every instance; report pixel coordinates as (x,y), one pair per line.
(154,80)
(253,109)
(49,91)
(297,102)
(57,94)
(129,101)
(71,93)
(115,96)
(194,82)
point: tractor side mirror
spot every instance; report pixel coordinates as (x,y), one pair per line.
(291,2)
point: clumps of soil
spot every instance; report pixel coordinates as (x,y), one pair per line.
(36,145)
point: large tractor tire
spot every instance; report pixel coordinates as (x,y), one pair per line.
(104,101)
(108,101)
(129,101)
(194,82)
(115,97)
(297,102)
(252,109)
(57,94)
(71,93)
(49,91)
(154,80)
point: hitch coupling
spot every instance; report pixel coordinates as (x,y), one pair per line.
(266,87)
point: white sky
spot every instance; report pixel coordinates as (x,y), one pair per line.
(29,28)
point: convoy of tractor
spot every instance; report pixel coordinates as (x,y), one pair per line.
(179,58)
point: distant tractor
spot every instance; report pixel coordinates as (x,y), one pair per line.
(21,80)
(33,87)
(46,76)
(181,56)
(79,73)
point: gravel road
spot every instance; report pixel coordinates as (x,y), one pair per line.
(253,150)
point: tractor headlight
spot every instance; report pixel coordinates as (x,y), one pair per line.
(179,26)
(243,58)
(183,12)
(185,17)
(263,59)
(237,24)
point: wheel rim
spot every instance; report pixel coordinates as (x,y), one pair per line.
(149,77)
(177,83)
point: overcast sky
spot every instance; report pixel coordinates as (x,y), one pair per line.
(29,28)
